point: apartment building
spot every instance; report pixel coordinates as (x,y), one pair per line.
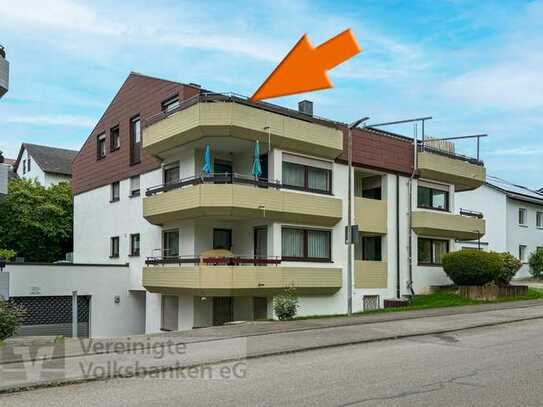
(47,165)
(514,217)
(218,203)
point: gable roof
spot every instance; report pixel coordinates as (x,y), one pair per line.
(514,191)
(50,159)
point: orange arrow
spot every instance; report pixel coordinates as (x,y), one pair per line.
(304,68)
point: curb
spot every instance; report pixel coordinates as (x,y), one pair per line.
(155,370)
(348,323)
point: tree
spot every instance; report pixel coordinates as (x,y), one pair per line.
(536,264)
(35,221)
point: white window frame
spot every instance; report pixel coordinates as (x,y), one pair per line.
(523,211)
(522,252)
(539,219)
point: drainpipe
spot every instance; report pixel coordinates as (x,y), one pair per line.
(398,290)
(410,212)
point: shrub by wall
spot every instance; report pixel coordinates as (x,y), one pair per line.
(511,265)
(472,267)
(536,264)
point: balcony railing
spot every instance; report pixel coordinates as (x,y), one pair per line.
(217,178)
(449,154)
(211,97)
(233,260)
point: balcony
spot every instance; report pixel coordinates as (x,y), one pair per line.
(370,274)
(237,197)
(448,225)
(371,215)
(464,172)
(236,276)
(222,116)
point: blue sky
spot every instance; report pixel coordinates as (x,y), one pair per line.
(474,66)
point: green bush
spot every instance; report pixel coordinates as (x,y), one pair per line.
(511,265)
(9,318)
(472,267)
(536,264)
(7,254)
(286,305)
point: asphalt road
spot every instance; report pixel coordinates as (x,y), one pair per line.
(496,366)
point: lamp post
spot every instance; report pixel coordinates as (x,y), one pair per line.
(349,216)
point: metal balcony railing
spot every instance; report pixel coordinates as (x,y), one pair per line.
(215,178)
(233,260)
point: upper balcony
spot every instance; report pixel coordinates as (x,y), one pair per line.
(235,196)
(4,72)
(463,172)
(466,226)
(217,115)
(371,215)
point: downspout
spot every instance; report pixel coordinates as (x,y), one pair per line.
(398,284)
(410,212)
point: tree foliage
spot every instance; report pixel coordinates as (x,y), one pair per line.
(35,221)
(536,264)
(10,316)
(286,305)
(511,265)
(7,254)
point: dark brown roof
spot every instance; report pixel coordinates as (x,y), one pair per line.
(50,159)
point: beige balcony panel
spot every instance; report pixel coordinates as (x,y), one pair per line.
(227,119)
(371,215)
(370,274)
(241,202)
(447,225)
(465,176)
(240,280)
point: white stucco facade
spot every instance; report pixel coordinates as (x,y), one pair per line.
(504,232)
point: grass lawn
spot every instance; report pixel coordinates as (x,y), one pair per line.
(441,299)
(451,299)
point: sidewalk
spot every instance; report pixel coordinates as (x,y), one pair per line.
(37,363)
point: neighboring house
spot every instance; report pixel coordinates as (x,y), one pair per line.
(4,72)
(47,165)
(205,249)
(6,173)
(514,217)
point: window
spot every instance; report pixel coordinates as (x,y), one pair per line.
(371,248)
(135,244)
(522,249)
(306,178)
(134,186)
(368,186)
(170,243)
(114,138)
(28,164)
(135,141)
(539,219)
(522,215)
(171,174)
(431,251)
(222,239)
(114,247)
(101,146)
(432,198)
(170,104)
(115,191)
(24,166)
(306,245)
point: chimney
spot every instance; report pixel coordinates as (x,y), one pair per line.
(306,107)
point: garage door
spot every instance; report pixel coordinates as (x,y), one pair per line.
(52,315)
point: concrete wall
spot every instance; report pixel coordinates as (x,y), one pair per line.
(101,283)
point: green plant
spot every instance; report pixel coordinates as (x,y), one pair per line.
(10,316)
(286,305)
(472,267)
(510,266)
(536,264)
(7,254)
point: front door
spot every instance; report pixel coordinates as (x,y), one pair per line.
(261,242)
(170,312)
(223,310)
(260,305)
